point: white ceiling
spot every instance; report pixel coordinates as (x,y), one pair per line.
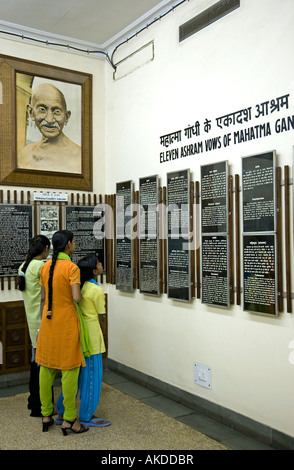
(90,24)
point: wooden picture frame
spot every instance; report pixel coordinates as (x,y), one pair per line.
(14,105)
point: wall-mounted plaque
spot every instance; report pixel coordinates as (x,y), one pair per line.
(149,236)
(215,269)
(124,245)
(260,277)
(48,220)
(214,197)
(16,229)
(215,238)
(258,190)
(80,220)
(178,253)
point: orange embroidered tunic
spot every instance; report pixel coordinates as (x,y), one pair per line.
(58,344)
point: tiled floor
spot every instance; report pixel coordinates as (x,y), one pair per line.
(219,432)
(224,434)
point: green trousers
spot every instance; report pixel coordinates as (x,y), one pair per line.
(69,380)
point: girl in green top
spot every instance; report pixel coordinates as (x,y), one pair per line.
(28,284)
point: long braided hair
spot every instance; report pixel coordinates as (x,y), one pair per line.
(36,246)
(59,241)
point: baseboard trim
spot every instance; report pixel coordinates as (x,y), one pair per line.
(248,426)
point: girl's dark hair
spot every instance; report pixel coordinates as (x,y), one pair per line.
(87,266)
(36,246)
(59,241)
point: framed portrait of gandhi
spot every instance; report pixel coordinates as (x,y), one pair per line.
(46,125)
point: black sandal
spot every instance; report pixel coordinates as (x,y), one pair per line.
(47,424)
(80,431)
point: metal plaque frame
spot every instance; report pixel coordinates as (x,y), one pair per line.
(124,241)
(151,241)
(176,241)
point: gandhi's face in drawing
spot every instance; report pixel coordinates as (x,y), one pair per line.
(48,110)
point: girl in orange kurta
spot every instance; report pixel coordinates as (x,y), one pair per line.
(59,338)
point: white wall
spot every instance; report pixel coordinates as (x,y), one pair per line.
(238,62)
